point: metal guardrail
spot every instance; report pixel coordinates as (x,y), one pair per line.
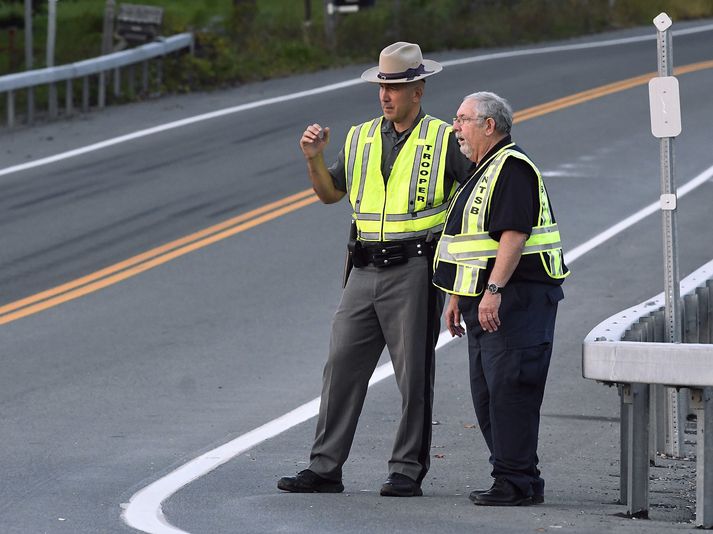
(628,350)
(99,66)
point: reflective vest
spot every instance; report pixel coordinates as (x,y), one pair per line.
(470,250)
(413,201)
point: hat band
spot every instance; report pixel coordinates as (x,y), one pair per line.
(409,74)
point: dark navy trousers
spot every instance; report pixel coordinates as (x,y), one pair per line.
(508,371)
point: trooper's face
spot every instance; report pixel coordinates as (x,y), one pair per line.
(398,100)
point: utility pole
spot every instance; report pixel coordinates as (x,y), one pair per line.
(51,38)
(28,59)
(307,23)
(330,23)
(108,28)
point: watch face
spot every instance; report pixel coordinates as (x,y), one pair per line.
(493,288)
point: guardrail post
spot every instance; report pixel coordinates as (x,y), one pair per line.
(703,294)
(10,109)
(690,317)
(117,82)
(52,100)
(85,94)
(709,285)
(68,97)
(159,73)
(624,425)
(702,399)
(130,78)
(638,457)
(145,77)
(101,93)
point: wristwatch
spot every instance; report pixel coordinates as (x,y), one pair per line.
(494,288)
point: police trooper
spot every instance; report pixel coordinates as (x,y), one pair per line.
(398,172)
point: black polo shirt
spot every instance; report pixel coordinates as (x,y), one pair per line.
(458,167)
(514,206)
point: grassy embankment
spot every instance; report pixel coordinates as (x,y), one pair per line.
(270,39)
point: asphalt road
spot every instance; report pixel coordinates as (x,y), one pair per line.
(102,395)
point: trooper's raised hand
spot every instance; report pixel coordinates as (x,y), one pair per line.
(313,140)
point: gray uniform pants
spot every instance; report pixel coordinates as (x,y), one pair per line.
(400,308)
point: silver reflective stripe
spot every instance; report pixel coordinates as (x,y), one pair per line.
(443,253)
(435,165)
(368,216)
(459,278)
(461,238)
(545,229)
(422,133)
(490,253)
(365,164)
(395,236)
(352,156)
(372,236)
(480,264)
(472,288)
(414,177)
(492,172)
(423,130)
(418,215)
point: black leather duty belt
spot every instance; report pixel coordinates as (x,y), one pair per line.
(390,253)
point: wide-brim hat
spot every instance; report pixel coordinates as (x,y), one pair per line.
(401,63)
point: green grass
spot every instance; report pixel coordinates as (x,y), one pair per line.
(237,45)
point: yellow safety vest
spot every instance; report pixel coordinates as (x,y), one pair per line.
(470,250)
(413,202)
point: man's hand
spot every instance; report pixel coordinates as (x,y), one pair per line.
(488,311)
(453,317)
(313,141)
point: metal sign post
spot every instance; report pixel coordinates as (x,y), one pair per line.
(665,110)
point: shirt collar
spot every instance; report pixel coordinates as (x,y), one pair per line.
(500,144)
(387,126)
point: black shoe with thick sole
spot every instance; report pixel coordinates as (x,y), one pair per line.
(503,493)
(537,498)
(398,485)
(309,482)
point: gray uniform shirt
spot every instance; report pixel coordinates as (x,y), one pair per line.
(458,167)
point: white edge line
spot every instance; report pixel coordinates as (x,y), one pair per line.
(311,92)
(598,239)
(143,511)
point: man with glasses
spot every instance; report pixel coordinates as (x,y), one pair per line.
(500,258)
(398,172)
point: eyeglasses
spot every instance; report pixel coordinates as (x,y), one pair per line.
(462,120)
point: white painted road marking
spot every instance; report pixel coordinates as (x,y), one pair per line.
(143,512)
(320,90)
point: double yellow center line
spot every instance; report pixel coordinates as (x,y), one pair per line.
(165,253)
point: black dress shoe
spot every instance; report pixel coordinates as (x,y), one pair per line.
(309,482)
(503,493)
(537,498)
(398,485)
